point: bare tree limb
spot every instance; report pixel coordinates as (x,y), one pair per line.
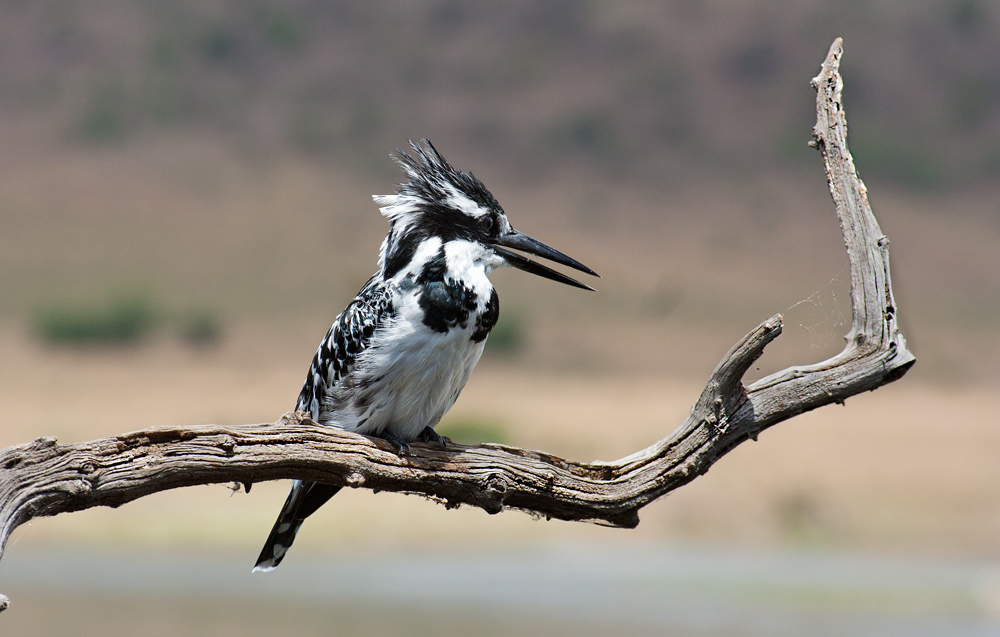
(43,478)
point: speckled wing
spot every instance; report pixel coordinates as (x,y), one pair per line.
(349,335)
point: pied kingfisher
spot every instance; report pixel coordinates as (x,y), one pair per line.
(396,359)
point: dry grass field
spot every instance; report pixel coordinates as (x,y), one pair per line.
(686,273)
(895,470)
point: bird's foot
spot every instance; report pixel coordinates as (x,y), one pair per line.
(432,437)
(402,447)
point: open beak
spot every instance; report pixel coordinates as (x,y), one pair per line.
(521,241)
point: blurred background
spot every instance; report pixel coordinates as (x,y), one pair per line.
(185,205)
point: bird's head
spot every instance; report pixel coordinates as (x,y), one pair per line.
(442,202)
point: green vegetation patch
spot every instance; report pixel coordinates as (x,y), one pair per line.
(104,118)
(900,160)
(200,328)
(507,336)
(285,29)
(472,431)
(124,319)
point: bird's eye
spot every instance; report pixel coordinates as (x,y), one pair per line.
(487,223)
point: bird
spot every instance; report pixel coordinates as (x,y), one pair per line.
(395,360)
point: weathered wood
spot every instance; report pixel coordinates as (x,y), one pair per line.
(44,478)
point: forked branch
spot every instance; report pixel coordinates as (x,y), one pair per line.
(44,478)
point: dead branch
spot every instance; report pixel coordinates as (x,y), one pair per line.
(44,478)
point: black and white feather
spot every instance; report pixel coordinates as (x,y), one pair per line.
(395,360)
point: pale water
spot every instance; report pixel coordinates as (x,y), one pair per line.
(574,590)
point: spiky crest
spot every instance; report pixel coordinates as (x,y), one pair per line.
(438,200)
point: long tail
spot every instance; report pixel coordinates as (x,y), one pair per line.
(303,500)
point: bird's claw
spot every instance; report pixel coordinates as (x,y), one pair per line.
(432,437)
(402,447)
(428,435)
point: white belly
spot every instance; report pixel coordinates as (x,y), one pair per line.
(406,382)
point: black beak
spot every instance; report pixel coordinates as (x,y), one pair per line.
(520,241)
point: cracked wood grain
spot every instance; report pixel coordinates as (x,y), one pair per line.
(44,478)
